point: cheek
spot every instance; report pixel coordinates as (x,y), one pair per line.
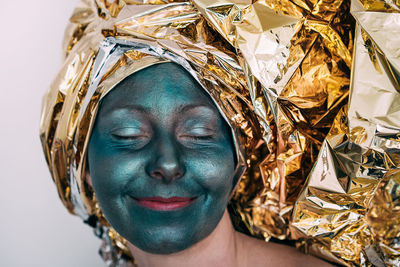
(214,171)
(111,171)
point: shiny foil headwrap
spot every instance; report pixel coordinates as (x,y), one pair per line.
(319,170)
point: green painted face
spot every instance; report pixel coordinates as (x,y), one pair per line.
(161,159)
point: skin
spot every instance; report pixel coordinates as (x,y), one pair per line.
(159,134)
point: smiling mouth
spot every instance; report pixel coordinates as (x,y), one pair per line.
(164,204)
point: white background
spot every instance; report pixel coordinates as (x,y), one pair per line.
(35,228)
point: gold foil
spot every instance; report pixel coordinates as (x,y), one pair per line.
(313,168)
(349,200)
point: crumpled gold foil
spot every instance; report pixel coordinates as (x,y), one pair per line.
(350,200)
(310,89)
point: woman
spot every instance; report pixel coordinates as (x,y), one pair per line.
(161,115)
(162,164)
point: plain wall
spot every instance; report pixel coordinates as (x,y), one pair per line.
(35,228)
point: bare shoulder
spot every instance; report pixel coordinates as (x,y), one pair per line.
(260,253)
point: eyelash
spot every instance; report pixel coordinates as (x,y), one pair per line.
(137,139)
(199,137)
(128,137)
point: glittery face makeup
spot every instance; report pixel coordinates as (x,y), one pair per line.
(161,160)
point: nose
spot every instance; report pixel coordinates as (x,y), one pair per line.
(166,164)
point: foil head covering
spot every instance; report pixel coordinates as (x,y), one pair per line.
(311,94)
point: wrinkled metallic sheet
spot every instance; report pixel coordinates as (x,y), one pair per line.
(319,170)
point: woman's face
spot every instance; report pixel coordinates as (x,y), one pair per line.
(161,160)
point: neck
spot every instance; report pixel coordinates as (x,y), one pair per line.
(220,248)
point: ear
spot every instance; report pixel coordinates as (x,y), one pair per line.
(88,178)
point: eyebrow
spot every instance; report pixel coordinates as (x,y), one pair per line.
(186,108)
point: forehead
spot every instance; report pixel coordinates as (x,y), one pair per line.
(161,87)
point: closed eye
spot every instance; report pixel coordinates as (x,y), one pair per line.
(129,137)
(197,137)
(201,133)
(129,133)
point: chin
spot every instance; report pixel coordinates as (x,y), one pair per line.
(164,247)
(172,235)
(166,242)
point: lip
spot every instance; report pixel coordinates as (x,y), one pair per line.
(164,204)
